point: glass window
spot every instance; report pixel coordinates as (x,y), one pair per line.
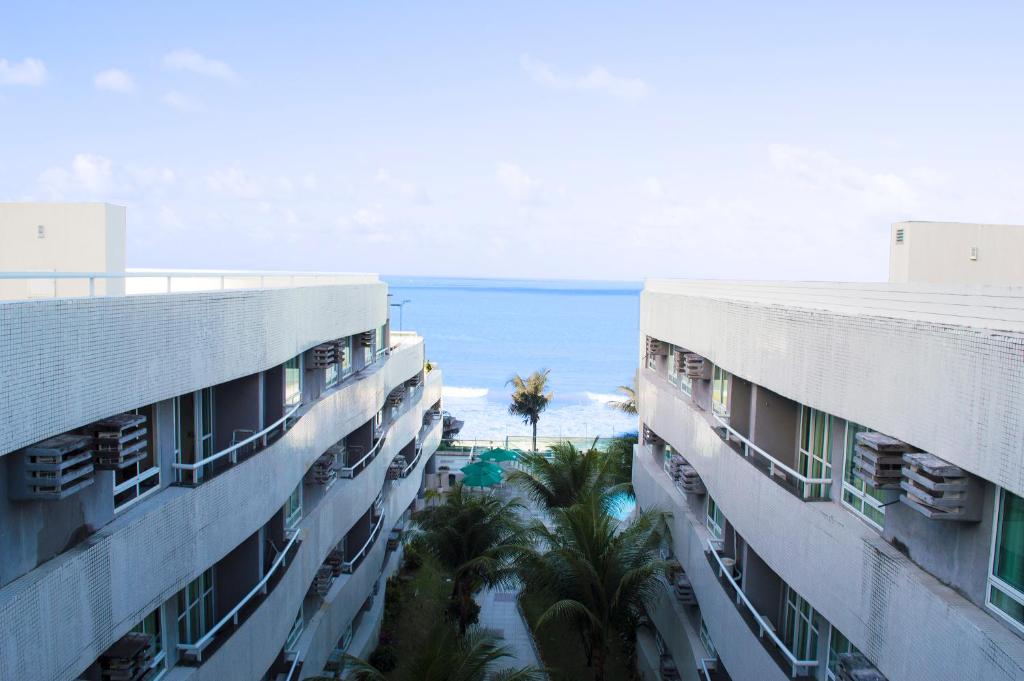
(296,632)
(195,608)
(153,625)
(670,363)
(1006,581)
(860,496)
(837,645)
(193,414)
(331,375)
(346,360)
(815,449)
(720,391)
(799,626)
(137,480)
(293,381)
(293,508)
(381,340)
(715,519)
(705,638)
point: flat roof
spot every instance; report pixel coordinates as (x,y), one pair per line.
(993,307)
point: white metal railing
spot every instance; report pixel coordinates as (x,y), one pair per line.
(291,670)
(764,627)
(141,281)
(199,646)
(706,665)
(806,484)
(351,471)
(412,464)
(232,451)
(349,566)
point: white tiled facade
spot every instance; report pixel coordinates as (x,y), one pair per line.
(78,574)
(938,367)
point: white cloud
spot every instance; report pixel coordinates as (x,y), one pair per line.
(181,101)
(367,217)
(405,188)
(597,80)
(235,183)
(194,62)
(114,80)
(28,71)
(96,176)
(516,182)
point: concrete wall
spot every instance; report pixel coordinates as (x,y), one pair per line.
(69,362)
(61,237)
(151,551)
(936,368)
(877,597)
(956,253)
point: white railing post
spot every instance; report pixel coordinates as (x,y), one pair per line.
(92,286)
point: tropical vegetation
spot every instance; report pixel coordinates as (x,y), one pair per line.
(477,539)
(596,574)
(627,403)
(565,477)
(529,399)
(447,655)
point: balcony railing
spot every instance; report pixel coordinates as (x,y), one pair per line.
(798,667)
(354,470)
(135,282)
(349,566)
(802,486)
(231,452)
(196,650)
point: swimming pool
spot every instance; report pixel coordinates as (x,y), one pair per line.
(621,505)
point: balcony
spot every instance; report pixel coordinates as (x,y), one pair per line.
(193,653)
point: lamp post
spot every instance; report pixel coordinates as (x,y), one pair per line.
(401,310)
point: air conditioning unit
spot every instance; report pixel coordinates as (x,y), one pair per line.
(690,481)
(696,366)
(120,441)
(324,469)
(396,397)
(324,355)
(366,339)
(396,467)
(129,659)
(335,559)
(684,590)
(656,347)
(939,490)
(856,667)
(669,671)
(416,380)
(52,469)
(878,459)
(323,580)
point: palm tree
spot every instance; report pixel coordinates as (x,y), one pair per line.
(447,656)
(628,402)
(600,577)
(568,476)
(529,399)
(477,539)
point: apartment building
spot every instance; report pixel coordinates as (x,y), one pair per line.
(844,468)
(203,475)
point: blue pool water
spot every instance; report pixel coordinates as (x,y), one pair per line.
(481,331)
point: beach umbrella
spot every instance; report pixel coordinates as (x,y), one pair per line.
(481,474)
(499,454)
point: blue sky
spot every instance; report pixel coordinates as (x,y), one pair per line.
(583,140)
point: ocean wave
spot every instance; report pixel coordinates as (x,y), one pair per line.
(456,391)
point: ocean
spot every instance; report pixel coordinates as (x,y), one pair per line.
(482,331)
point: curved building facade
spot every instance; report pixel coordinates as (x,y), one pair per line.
(205,484)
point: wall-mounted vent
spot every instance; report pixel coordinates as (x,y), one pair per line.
(899,235)
(129,658)
(696,366)
(366,339)
(878,460)
(324,355)
(323,580)
(120,440)
(939,490)
(324,469)
(656,347)
(651,438)
(52,469)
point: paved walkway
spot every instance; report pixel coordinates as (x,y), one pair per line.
(499,613)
